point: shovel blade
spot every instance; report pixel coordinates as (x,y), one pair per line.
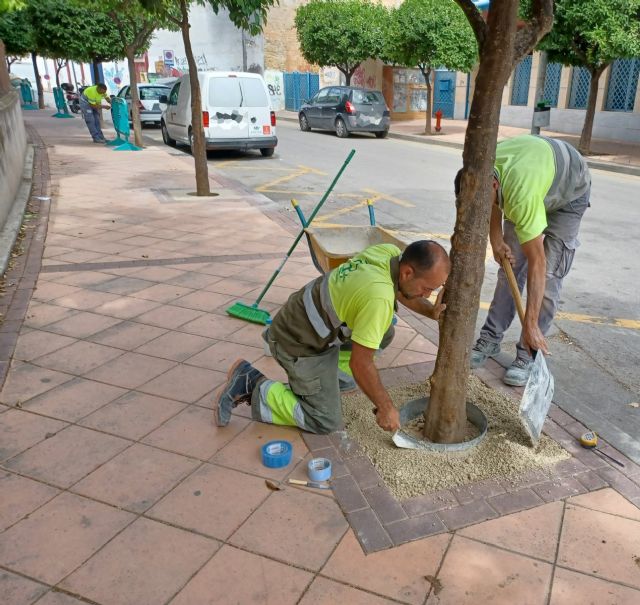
(537,397)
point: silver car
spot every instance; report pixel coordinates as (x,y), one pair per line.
(150,106)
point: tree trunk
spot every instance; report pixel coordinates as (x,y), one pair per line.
(5,82)
(36,75)
(198,149)
(426,74)
(59,66)
(347,77)
(135,98)
(446,415)
(96,71)
(585,138)
(540,81)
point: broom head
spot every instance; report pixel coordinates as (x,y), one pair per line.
(248,313)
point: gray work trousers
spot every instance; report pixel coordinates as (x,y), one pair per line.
(92,119)
(314,381)
(560,243)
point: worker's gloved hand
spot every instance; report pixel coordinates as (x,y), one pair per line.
(388,420)
(502,250)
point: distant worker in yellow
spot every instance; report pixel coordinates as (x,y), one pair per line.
(90,104)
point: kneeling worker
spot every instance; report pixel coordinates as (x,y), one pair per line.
(352,305)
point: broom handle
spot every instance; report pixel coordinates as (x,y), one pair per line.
(513,285)
(313,214)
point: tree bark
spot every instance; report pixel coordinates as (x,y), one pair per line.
(426,74)
(36,75)
(135,98)
(199,150)
(446,415)
(5,82)
(96,71)
(584,147)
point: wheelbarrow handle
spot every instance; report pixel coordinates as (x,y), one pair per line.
(513,285)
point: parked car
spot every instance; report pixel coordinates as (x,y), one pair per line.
(346,109)
(236,112)
(150,104)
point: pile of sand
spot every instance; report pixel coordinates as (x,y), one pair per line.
(505,452)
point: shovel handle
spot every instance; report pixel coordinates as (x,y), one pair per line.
(513,285)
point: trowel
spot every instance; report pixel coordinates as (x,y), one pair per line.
(538,391)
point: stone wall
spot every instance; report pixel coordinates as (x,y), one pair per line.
(281,48)
(13,145)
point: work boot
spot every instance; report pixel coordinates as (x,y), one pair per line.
(517,373)
(482,350)
(242,379)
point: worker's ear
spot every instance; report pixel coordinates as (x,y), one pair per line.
(406,272)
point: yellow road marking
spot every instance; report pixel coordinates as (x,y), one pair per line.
(342,211)
(390,198)
(283,179)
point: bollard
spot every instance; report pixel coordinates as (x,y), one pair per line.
(61,104)
(438,118)
(27,96)
(120,116)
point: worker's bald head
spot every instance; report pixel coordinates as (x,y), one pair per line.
(424,267)
(424,255)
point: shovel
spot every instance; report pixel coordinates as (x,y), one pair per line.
(538,391)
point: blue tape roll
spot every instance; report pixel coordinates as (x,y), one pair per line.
(319,469)
(276,454)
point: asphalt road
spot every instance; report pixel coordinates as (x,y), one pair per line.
(595,340)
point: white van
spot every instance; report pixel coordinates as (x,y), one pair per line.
(236,112)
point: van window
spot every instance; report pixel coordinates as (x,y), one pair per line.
(173,97)
(367,96)
(225,92)
(253,93)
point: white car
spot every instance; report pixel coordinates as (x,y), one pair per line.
(150,106)
(236,112)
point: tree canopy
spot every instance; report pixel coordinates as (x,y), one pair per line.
(341,33)
(16,32)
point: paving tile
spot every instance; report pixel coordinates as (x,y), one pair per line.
(364,472)
(476,573)
(422,345)
(85,300)
(137,478)
(244,453)
(82,324)
(76,528)
(348,494)
(213,325)
(628,488)
(16,590)
(233,286)
(177,346)
(474,491)
(190,279)
(38,342)
(570,587)
(67,456)
(293,526)
(159,274)
(429,503)
(25,381)
(83,278)
(123,285)
(347,447)
(532,532)
(559,488)
(467,514)
(131,370)
(369,531)
(41,315)
(46,291)
(196,504)
(20,497)
(150,549)
(415,528)
(128,335)
(79,358)
(607,501)
(600,544)
(221,355)
(250,335)
(126,307)
(406,358)
(133,415)
(193,433)
(242,577)
(204,301)
(20,430)
(170,317)
(328,592)
(397,573)
(515,501)
(163,293)
(591,481)
(74,399)
(184,383)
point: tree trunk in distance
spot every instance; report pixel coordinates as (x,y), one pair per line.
(427,81)
(96,71)
(199,150)
(446,415)
(5,82)
(135,98)
(36,73)
(584,147)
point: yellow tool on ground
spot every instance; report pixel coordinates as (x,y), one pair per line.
(590,441)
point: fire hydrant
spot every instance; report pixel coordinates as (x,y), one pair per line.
(438,118)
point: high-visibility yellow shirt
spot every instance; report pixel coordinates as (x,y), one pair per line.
(363,293)
(94,97)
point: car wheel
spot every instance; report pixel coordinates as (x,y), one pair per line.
(267,152)
(304,123)
(341,129)
(382,134)
(165,135)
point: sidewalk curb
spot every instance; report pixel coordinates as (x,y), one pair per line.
(596,164)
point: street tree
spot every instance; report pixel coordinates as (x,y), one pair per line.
(6,6)
(429,34)
(502,41)
(248,15)
(341,33)
(17,34)
(592,34)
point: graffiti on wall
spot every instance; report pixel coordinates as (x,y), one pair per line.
(275,84)
(362,80)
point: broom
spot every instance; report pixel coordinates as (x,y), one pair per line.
(252,312)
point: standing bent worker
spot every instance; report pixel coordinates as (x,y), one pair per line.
(541,186)
(90,104)
(353,304)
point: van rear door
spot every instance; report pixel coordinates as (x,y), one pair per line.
(227,117)
(255,101)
